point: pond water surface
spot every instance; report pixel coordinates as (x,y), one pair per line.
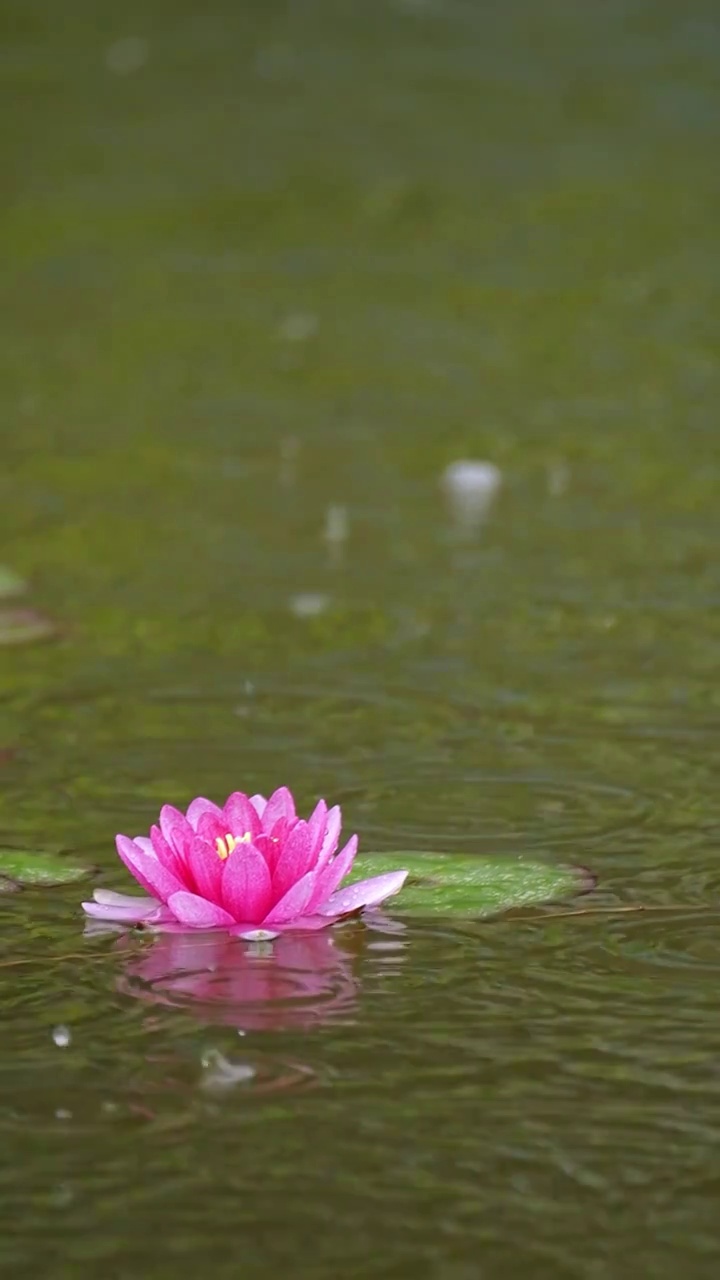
(268,270)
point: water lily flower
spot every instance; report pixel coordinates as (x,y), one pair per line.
(249,866)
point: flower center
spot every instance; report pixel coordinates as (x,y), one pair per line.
(225,845)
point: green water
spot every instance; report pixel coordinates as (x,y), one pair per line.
(267,270)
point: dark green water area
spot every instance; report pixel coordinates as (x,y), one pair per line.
(268,269)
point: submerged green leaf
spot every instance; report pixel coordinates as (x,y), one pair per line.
(28,867)
(25,626)
(460,885)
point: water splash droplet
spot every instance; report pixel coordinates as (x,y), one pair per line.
(471,488)
(219,1073)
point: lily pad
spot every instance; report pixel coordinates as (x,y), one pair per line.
(29,867)
(11,584)
(25,626)
(457,885)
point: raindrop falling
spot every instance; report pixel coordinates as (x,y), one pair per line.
(309,604)
(337,528)
(558,478)
(289,454)
(299,326)
(471,488)
(128,55)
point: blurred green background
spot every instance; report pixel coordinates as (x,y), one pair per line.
(269,269)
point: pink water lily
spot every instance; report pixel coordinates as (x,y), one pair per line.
(250,865)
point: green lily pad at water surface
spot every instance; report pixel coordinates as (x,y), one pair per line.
(457,885)
(28,867)
(11,584)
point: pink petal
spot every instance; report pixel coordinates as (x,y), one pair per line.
(198,807)
(197,913)
(317,823)
(118,915)
(240,817)
(129,851)
(164,852)
(149,872)
(246,886)
(280,805)
(268,847)
(329,844)
(328,880)
(206,870)
(109,898)
(122,907)
(293,861)
(271,846)
(212,827)
(366,893)
(292,904)
(258,803)
(176,829)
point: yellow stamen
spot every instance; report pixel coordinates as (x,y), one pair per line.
(225,846)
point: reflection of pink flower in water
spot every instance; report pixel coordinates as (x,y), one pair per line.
(296,981)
